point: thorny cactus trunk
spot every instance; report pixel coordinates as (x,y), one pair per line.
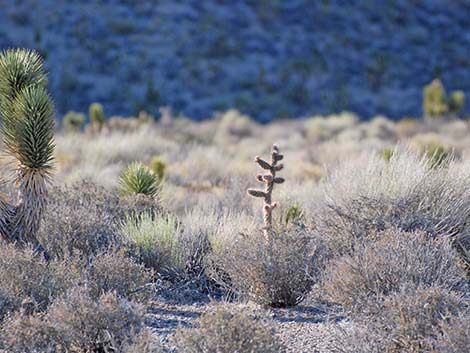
(268,180)
(26,111)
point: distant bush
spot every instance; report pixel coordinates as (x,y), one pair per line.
(434,99)
(153,240)
(386,262)
(76,323)
(456,102)
(229,329)
(435,103)
(278,271)
(233,126)
(158,166)
(138,179)
(73,121)
(319,128)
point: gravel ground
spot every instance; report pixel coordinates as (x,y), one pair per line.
(303,329)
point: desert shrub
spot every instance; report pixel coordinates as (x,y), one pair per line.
(153,240)
(84,218)
(455,335)
(434,99)
(386,262)
(320,128)
(157,166)
(144,342)
(233,126)
(381,128)
(73,121)
(76,323)
(370,194)
(29,282)
(456,102)
(79,218)
(410,320)
(96,114)
(138,179)
(229,329)
(278,271)
(117,273)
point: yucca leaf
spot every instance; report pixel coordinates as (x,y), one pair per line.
(138,179)
(19,68)
(29,128)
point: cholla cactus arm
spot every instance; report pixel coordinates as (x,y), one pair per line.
(28,135)
(269,180)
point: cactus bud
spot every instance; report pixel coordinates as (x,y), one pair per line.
(268,178)
(279,180)
(262,163)
(278,157)
(278,167)
(259,177)
(256,193)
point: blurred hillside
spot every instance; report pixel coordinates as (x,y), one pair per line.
(267,58)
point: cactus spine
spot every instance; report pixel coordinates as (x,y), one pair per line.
(269,180)
(27,113)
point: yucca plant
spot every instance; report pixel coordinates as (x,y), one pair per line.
(27,114)
(96,114)
(139,179)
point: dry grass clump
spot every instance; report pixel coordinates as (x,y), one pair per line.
(229,329)
(386,262)
(370,194)
(278,271)
(117,273)
(412,320)
(153,240)
(76,323)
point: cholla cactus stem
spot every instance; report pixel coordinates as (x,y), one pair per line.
(268,180)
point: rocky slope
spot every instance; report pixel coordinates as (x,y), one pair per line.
(268,58)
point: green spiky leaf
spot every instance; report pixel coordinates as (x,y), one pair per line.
(138,179)
(29,128)
(19,68)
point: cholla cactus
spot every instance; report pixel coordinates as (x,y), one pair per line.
(26,110)
(269,180)
(138,179)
